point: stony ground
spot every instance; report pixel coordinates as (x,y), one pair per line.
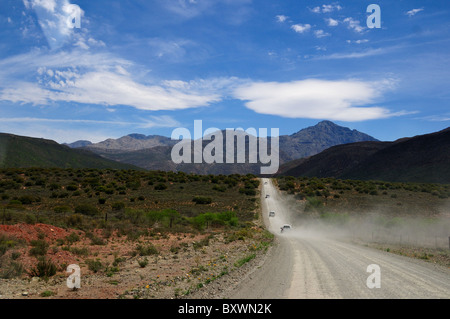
(185,266)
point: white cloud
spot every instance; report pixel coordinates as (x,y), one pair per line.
(413,12)
(436,118)
(330,8)
(55,19)
(354,25)
(326,8)
(48,5)
(152,121)
(101,79)
(356,55)
(358,41)
(301,28)
(188,9)
(170,49)
(106,88)
(281,18)
(70,130)
(344,100)
(320,34)
(331,22)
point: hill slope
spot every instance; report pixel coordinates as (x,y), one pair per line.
(153,152)
(20,151)
(424,158)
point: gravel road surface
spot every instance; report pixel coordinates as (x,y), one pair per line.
(307,263)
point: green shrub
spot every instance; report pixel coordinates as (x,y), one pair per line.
(118,206)
(26,200)
(86,209)
(200,200)
(147,250)
(80,251)
(39,247)
(13,270)
(219,188)
(72,238)
(72,187)
(143,262)
(30,219)
(44,268)
(160,187)
(201,243)
(94,265)
(6,243)
(313,204)
(61,209)
(95,240)
(247,191)
(75,220)
(244,260)
(47,293)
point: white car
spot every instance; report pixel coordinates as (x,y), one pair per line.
(267,196)
(285,227)
(271,214)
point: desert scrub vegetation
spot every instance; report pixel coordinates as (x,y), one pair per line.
(45,268)
(146,250)
(336,195)
(85,198)
(324,187)
(100,206)
(7,243)
(239,263)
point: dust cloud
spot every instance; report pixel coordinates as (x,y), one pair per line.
(374,227)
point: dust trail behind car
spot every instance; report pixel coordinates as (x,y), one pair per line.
(315,260)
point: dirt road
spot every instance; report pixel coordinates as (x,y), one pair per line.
(307,263)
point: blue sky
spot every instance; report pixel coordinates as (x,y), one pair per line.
(149,66)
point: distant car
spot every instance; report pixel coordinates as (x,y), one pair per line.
(285,227)
(272,214)
(265,183)
(267,196)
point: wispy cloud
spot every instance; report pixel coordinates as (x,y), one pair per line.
(436,118)
(188,9)
(320,34)
(360,41)
(83,77)
(413,12)
(150,122)
(326,8)
(281,18)
(355,55)
(69,130)
(354,25)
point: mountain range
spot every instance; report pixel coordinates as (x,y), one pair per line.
(154,152)
(423,158)
(322,150)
